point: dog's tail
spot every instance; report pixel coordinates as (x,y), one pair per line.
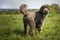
(23,9)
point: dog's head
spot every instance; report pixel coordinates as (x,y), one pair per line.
(45,9)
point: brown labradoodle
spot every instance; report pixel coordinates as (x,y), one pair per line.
(34,19)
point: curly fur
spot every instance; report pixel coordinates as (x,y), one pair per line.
(34,19)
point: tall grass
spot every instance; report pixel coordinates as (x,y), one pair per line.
(11,27)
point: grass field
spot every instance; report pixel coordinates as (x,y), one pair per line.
(11,27)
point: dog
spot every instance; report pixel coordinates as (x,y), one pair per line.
(34,19)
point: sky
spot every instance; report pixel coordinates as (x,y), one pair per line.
(31,3)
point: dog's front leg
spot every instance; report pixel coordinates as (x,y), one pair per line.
(39,25)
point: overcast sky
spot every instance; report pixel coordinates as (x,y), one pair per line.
(31,3)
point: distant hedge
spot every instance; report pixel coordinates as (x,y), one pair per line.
(9,12)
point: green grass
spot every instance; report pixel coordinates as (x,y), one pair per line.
(11,27)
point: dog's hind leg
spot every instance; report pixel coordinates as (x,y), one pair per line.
(25,26)
(32,27)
